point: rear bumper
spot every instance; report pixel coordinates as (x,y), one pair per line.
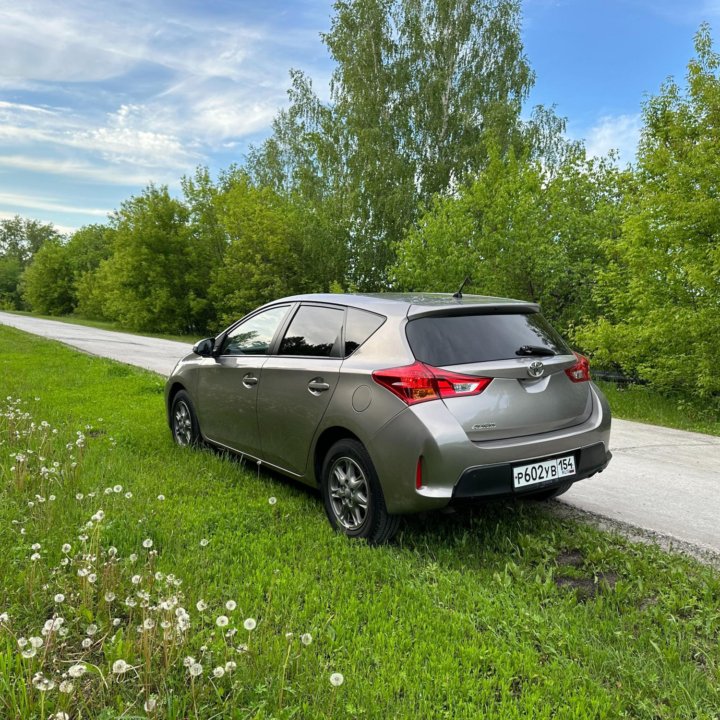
(455,467)
(497,480)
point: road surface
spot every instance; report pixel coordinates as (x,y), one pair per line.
(662,480)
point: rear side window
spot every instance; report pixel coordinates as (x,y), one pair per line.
(360,325)
(458,340)
(314,331)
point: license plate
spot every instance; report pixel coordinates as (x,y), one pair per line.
(544,471)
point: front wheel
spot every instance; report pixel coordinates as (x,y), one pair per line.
(184,424)
(353,498)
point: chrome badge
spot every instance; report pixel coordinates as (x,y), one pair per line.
(535,369)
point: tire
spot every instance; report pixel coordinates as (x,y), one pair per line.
(352,495)
(557,491)
(183,421)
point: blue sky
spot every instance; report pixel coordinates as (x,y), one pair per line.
(99,98)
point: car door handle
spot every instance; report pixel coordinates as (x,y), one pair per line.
(249,380)
(316,386)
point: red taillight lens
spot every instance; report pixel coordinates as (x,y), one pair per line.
(418,383)
(580,371)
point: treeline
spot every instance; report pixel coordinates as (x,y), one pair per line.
(418,172)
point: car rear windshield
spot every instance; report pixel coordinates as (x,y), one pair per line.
(462,339)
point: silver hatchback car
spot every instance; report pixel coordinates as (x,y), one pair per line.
(394,404)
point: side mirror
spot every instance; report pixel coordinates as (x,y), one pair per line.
(205,347)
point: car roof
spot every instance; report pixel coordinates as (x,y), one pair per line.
(419,304)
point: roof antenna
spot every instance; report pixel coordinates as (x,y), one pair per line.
(458,294)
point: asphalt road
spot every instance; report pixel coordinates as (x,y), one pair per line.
(662,480)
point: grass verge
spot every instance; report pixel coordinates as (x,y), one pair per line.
(138,546)
(641,403)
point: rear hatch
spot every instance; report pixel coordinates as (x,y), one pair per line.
(530,391)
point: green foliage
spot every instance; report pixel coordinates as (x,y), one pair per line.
(144,282)
(661,288)
(417,90)
(47,283)
(518,231)
(20,239)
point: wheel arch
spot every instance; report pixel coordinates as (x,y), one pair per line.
(173,390)
(325,441)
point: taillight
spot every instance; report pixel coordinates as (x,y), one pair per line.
(580,371)
(418,383)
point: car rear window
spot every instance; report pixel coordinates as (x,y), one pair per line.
(458,340)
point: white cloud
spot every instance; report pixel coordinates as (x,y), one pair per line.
(614,132)
(49,204)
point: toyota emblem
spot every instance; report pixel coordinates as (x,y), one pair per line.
(535,369)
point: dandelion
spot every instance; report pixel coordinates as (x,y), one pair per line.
(219,671)
(148,543)
(66,686)
(272,500)
(116,622)
(120,667)
(109,597)
(86,643)
(4,619)
(150,704)
(128,495)
(59,715)
(66,548)
(188,661)
(230,665)
(92,577)
(35,557)
(306,639)
(35,546)
(36,642)
(250,624)
(76,671)
(195,669)
(148,624)
(112,551)
(59,598)
(91,629)
(51,498)
(133,557)
(204,542)
(222,621)
(201,605)
(161,497)
(117,488)
(337,679)
(230,605)
(136,579)
(79,496)
(28,653)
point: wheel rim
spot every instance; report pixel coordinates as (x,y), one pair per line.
(182,423)
(349,493)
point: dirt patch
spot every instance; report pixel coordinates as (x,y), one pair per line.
(587,588)
(570,558)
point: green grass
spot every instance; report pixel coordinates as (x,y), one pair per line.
(105,325)
(493,612)
(641,403)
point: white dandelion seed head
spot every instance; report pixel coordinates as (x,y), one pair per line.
(222,621)
(136,579)
(86,643)
(28,653)
(109,596)
(92,577)
(150,704)
(36,546)
(230,605)
(117,488)
(66,686)
(116,622)
(66,548)
(272,500)
(128,495)
(36,642)
(204,542)
(306,639)
(91,629)
(188,661)
(337,679)
(201,605)
(161,497)
(250,624)
(59,598)
(76,671)
(147,543)
(230,665)
(120,667)
(219,671)
(195,669)
(35,557)
(148,624)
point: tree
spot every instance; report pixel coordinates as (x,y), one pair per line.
(519,231)
(661,289)
(419,87)
(47,284)
(144,282)
(20,239)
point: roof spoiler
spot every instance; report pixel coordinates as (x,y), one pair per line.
(488,308)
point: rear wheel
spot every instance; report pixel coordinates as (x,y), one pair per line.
(353,499)
(184,424)
(551,493)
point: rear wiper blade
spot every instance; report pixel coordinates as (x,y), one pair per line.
(534,350)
